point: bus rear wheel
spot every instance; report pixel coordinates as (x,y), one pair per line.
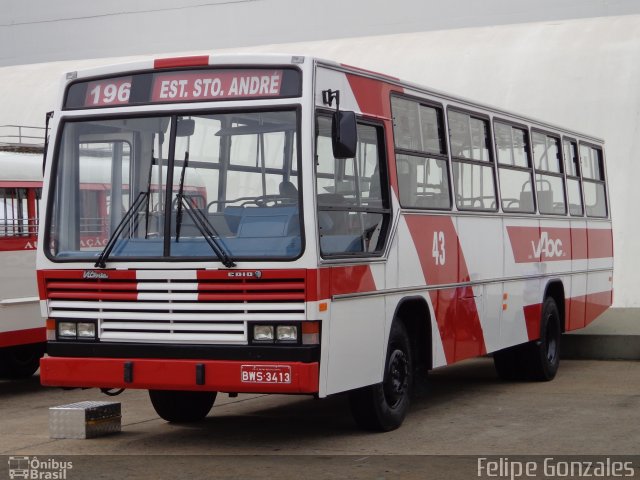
(182,405)
(383,407)
(536,360)
(21,361)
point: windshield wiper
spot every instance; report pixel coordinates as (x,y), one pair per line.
(208,232)
(199,220)
(180,196)
(104,255)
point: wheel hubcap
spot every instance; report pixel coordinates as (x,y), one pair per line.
(551,340)
(397,378)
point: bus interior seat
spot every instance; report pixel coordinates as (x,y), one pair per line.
(545,201)
(288,189)
(526,202)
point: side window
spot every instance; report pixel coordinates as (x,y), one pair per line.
(574,192)
(353,206)
(421,157)
(473,176)
(514,168)
(593,181)
(14,216)
(549,178)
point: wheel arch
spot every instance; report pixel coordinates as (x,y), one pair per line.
(555,290)
(414,314)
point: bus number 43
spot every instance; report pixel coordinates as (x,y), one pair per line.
(438,250)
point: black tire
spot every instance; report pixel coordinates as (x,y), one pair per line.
(509,364)
(543,356)
(182,406)
(21,361)
(383,407)
(536,360)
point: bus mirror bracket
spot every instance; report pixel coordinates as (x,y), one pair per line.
(186,127)
(344,130)
(48,117)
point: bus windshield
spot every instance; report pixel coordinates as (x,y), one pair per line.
(204,186)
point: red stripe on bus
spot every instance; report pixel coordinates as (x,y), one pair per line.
(23,337)
(600,243)
(81,274)
(86,285)
(250,297)
(235,274)
(443,262)
(323,283)
(372,97)
(532,317)
(580,311)
(20,184)
(177,62)
(596,304)
(364,70)
(542,244)
(18,244)
(66,295)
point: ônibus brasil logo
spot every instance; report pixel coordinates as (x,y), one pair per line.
(547,247)
(36,469)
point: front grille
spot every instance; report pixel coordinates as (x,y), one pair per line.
(190,307)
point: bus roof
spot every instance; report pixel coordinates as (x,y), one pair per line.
(201,60)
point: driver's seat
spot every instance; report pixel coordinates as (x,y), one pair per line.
(288,190)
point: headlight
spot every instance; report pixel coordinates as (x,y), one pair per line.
(287,333)
(67,329)
(87,330)
(263,333)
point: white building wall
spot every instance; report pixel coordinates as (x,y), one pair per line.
(581,74)
(44,30)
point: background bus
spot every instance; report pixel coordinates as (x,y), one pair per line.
(22,330)
(336,251)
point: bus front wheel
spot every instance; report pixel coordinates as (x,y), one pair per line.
(182,406)
(383,406)
(21,361)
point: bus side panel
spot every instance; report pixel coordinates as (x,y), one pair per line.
(481,259)
(576,307)
(357,343)
(357,330)
(20,320)
(402,266)
(599,283)
(521,297)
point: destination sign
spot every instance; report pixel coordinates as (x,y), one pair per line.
(184,86)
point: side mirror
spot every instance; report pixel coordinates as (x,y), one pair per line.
(344,134)
(186,127)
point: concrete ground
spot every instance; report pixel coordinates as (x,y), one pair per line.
(591,408)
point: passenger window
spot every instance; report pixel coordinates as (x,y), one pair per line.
(549,178)
(593,181)
(574,192)
(514,168)
(472,165)
(421,161)
(353,207)
(14,217)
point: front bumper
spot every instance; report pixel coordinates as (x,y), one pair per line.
(174,374)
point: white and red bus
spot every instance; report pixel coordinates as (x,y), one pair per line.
(22,330)
(356,231)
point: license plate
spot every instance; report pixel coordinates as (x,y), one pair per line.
(265,374)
